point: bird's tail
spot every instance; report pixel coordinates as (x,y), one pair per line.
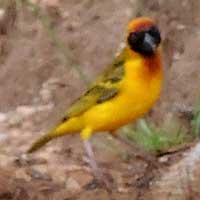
(71,126)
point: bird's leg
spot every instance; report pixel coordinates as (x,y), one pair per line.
(90,155)
(137,151)
(85,135)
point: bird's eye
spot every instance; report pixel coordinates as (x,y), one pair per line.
(136,38)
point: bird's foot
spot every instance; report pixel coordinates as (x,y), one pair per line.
(102,180)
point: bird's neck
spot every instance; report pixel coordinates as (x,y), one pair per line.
(151,65)
(144,67)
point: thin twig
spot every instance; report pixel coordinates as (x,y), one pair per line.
(67,55)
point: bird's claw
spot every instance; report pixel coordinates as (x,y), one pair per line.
(106,183)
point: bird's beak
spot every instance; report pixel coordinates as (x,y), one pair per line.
(150,42)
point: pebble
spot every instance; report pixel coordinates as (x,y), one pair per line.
(14,119)
(46,95)
(72,184)
(3,136)
(2,14)
(176,56)
(39,175)
(3,117)
(26,111)
(164,159)
(181,27)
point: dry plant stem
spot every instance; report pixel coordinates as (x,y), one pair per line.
(67,55)
(177,149)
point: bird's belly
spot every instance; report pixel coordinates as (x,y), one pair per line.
(123,109)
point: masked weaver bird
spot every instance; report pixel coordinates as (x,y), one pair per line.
(125,91)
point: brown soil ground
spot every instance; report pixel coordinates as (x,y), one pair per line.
(39,54)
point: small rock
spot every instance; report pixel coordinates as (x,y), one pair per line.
(176,56)
(3,117)
(39,175)
(51,83)
(44,107)
(72,184)
(2,14)
(25,111)
(65,15)
(45,95)
(181,27)
(3,136)
(122,190)
(164,159)
(14,119)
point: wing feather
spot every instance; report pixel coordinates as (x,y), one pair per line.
(103,89)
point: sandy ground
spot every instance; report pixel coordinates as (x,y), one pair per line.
(39,79)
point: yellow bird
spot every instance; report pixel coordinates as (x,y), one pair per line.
(124,92)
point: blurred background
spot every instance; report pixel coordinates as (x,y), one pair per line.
(49,51)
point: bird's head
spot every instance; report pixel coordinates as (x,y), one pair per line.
(143,36)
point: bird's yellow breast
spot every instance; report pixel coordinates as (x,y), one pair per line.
(138,90)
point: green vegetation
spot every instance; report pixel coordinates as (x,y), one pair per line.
(195,122)
(156,139)
(170,134)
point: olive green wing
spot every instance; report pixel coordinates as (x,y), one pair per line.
(103,89)
(95,95)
